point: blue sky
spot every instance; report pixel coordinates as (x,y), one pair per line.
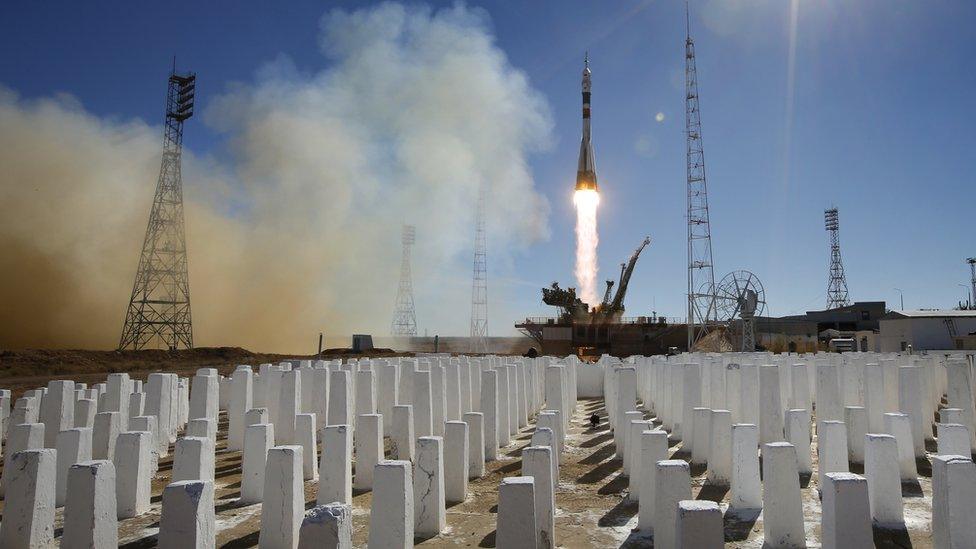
(878,122)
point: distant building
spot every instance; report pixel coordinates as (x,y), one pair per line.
(927,330)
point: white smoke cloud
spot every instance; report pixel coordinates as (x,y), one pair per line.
(294,227)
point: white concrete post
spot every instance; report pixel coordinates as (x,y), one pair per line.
(90,519)
(203,427)
(242,381)
(702,419)
(953,439)
(829,401)
(305,436)
(57,410)
(401,432)
(133,468)
(831,449)
(160,402)
(622,432)
(85,410)
(193,459)
(516,527)
(899,426)
(452,391)
(489,407)
(392,513)
(720,449)
(959,392)
(554,389)
(911,403)
(204,394)
(552,420)
(73,446)
(746,494)
(846,517)
(289,405)
(258,439)
(537,463)
(953,493)
(654,448)
(634,450)
(365,393)
(369,449)
(770,406)
(335,467)
(456,461)
(504,407)
(464,381)
(327,527)
(105,433)
(671,485)
(283,506)
(874,397)
(782,503)
(476,444)
(137,404)
(28,512)
(798,434)
(118,388)
(255,416)
(699,525)
(428,487)
(884,484)
(320,402)
(749,394)
(800,387)
(423,419)
(856,422)
(340,399)
(188,516)
(438,400)
(387,394)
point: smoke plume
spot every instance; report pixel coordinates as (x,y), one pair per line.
(293,224)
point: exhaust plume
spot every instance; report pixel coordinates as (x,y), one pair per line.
(587,239)
(293,222)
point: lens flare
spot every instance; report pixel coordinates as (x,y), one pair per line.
(586,202)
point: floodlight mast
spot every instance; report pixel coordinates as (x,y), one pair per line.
(158,315)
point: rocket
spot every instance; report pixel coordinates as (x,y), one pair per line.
(586,172)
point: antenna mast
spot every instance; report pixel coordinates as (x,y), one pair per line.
(836,282)
(158,315)
(479,285)
(701,276)
(404,317)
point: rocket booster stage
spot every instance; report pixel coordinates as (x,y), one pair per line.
(586,172)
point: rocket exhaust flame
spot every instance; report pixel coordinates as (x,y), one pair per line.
(586,202)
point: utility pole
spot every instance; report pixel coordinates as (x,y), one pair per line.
(972,279)
(701,276)
(158,315)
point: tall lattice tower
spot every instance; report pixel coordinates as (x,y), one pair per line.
(159,308)
(837,282)
(479,284)
(404,317)
(701,277)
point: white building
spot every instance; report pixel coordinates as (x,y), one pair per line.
(926,330)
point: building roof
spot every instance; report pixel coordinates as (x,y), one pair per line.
(929,313)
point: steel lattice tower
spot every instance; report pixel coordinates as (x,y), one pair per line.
(836,282)
(404,317)
(159,308)
(479,284)
(701,277)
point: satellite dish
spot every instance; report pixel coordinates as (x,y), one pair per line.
(739,296)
